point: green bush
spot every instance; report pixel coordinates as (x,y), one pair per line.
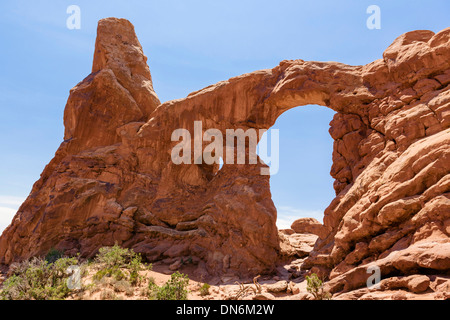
(204,289)
(315,287)
(123,286)
(38,279)
(115,258)
(113,272)
(152,289)
(134,267)
(108,294)
(173,289)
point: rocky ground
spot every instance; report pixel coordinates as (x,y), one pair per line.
(288,283)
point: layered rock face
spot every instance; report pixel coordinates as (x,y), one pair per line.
(113,180)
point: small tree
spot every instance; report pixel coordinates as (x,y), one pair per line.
(204,289)
(315,287)
(112,259)
(175,288)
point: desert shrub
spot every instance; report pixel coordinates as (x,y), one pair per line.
(14,288)
(38,279)
(114,259)
(134,267)
(152,289)
(123,286)
(109,295)
(113,272)
(114,256)
(174,289)
(204,289)
(315,287)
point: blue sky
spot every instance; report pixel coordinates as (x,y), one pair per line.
(190,45)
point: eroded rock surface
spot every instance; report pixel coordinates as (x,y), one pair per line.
(112,179)
(309,225)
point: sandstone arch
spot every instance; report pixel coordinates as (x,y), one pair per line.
(112,178)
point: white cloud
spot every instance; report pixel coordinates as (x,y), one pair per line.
(286,215)
(6,216)
(10,201)
(285,223)
(8,208)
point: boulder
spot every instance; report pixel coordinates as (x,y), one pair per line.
(309,225)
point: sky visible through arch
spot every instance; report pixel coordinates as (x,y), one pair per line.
(190,45)
(302,185)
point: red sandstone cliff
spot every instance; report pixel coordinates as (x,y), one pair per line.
(112,179)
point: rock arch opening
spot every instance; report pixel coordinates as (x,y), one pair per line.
(301,186)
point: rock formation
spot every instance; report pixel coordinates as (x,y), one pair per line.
(112,179)
(309,225)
